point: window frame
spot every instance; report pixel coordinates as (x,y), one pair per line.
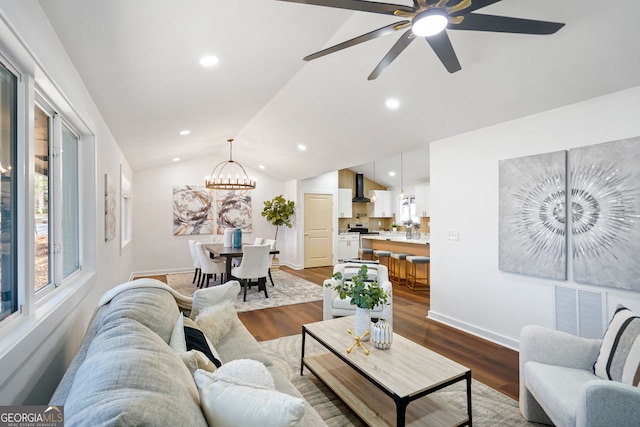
(56,264)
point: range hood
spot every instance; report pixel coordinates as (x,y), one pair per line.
(360,189)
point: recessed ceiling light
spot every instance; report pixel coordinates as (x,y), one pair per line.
(392,173)
(176,159)
(261,166)
(209,61)
(392,104)
(302,147)
(185,132)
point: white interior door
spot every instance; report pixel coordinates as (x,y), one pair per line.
(318,230)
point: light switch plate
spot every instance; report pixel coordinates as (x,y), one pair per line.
(453,235)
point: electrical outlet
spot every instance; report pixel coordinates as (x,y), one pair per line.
(453,235)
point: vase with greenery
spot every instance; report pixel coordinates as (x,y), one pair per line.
(363,294)
(279,211)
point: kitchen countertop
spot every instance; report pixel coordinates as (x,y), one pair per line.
(397,237)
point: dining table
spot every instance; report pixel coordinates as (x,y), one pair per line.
(229,252)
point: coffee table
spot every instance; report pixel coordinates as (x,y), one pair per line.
(379,387)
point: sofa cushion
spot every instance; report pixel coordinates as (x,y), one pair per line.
(619,357)
(130,376)
(227,404)
(154,308)
(557,389)
(238,343)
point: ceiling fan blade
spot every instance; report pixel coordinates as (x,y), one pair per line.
(404,41)
(475,5)
(503,24)
(357,40)
(441,45)
(360,5)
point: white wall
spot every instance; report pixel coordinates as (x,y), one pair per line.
(467,289)
(155,248)
(37,346)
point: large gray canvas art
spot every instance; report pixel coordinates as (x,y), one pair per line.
(532,224)
(605,206)
(234,210)
(192,210)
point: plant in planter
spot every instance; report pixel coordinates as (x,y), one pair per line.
(363,294)
(278,211)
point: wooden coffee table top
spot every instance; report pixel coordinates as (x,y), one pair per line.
(405,369)
(393,387)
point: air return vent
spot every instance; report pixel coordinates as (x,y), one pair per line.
(579,312)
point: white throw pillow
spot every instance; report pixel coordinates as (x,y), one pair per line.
(203,298)
(247,372)
(227,404)
(216,320)
(195,359)
(178,342)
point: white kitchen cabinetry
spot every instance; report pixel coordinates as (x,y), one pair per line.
(344,203)
(423,203)
(348,246)
(383,206)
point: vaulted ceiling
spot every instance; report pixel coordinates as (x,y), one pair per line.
(139,60)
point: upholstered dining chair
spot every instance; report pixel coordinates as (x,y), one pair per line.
(254,266)
(196,261)
(209,267)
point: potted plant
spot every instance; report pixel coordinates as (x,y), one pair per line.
(363,294)
(278,211)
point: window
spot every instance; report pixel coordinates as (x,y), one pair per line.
(56,204)
(8,192)
(408,211)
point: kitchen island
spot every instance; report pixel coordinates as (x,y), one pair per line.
(398,243)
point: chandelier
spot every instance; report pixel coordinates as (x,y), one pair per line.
(217,180)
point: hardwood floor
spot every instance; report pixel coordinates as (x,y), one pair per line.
(490,363)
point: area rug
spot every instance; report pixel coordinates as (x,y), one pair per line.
(489,407)
(288,290)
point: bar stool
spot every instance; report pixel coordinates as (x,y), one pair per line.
(396,264)
(382,256)
(414,281)
(365,252)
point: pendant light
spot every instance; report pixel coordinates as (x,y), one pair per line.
(401,179)
(373,198)
(218,181)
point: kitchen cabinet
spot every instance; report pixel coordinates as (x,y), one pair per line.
(348,245)
(344,203)
(383,206)
(423,204)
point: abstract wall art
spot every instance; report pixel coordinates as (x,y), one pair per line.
(605,213)
(109,208)
(234,210)
(532,223)
(192,210)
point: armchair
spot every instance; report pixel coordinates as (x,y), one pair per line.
(558,385)
(334,306)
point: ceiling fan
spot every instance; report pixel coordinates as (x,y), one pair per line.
(429,19)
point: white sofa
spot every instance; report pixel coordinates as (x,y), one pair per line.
(334,306)
(558,384)
(127,373)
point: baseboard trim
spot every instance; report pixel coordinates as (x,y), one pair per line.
(474,330)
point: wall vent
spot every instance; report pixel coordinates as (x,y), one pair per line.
(579,312)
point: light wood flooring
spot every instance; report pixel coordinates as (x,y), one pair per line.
(490,363)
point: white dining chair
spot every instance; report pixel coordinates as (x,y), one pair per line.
(271,243)
(209,267)
(259,241)
(254,266)
(196,261)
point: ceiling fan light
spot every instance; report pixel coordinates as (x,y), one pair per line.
(430,22)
